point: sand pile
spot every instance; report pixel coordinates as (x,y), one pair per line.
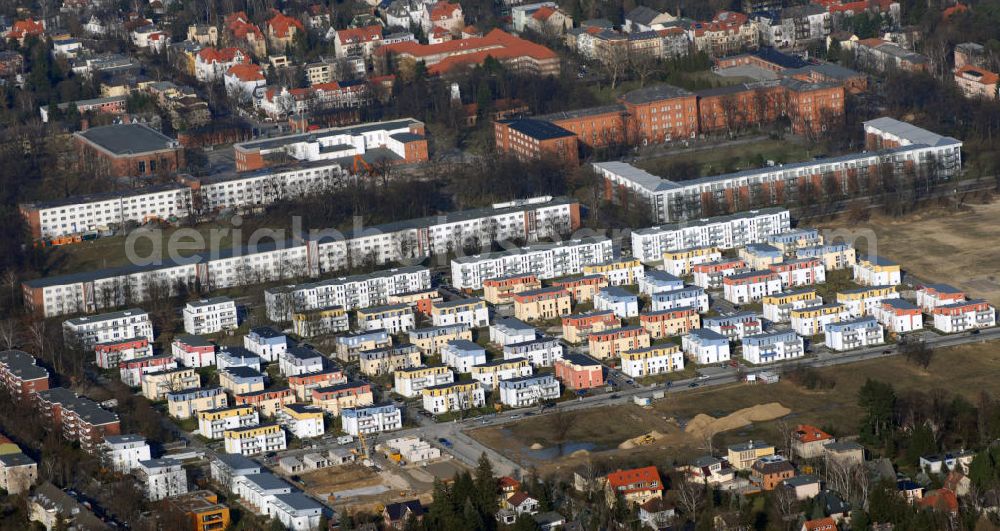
(579,453)
(536,446)
(702,425)
(641,440)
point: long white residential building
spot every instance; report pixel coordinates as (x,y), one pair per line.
(773,346)
(89,330)
(318,254)
(265,186)
(350,293)
(722,232)
(544,260)
(892,144)
(74,215)
(528,390)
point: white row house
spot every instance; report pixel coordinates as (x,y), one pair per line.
(544,260)
(541,352)
(353,292)
(877,271)
(162,478)
(393,318)
(655,281)
(657,359)
(266,186)
(750,286)
(208,316)
(734,327)
(689,297)
(777,308)
(509,330)
(266,343)
(529,390)
(962,316)
(368,420)
(899,316)
(863,301)
(706,346)
(812,321)
(681,262)
(854,333)
(722,232)
(456,396)
(89,330)
(254,440)
(491,373)
(931,296)
(800,272)
(213,423)
(462,354)
(124,452)
(409,382)
(709,275)
(772,346)
(473,312)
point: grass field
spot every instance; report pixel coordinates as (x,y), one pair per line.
(966,370)
(940,245)
(724,159)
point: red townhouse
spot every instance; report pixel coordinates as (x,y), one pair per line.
(80,418)
(268,401)
(109,354)
(20,375)
(638,485)
(710,274)
(498,290)
(801,272)
(611,343)
(193,351)
(131,371)
(583,288)
(576,328)
(578,371)
(303,384)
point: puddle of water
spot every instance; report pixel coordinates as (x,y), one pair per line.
(363,491)
(552,452)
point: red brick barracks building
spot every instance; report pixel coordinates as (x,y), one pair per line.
(664,113)
(124,150)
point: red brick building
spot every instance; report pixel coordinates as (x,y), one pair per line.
(125,150)
(577,371)
(808,106)
(660,113)
(79,418)
(20,375)
(532,139)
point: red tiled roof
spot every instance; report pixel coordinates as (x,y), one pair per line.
(543,13)
(438,31)
(247,72)
(497,43)
(823,524)
(985,76)
(356,35)
(281,25)
(723,21)
(223,55)
(621,480)
(518,498)
(508,482)
(471,30)
(239,24)
(25,28)
(805,433)
(957,8)
(941,500)
(442,10)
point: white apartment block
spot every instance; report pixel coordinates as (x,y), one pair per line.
(623,303)
(254,440)
(89,330)
(74,215)
(302,421)
(456,396)
(705,346)
(773,346)
(681,262)
(162,478)
(652,360)
(669,201)
(877,271)
(350,293)
(331,143)
(800,272)
(530,220)
(374,419)
(409,382)
(124,452)
(899,316)
(193,351)
(621,272)
(777,308)
(268,185)
(541,352)
(962,316)
(854,333)
(393,318)
(722,232)
(689,297)
(208,316)
(809,322)
(507,330)
(709,275)
(655,281)
(462,354)
(300,360)
(266,343)
(529,390)
(544,260)
(734,326)
(295,511)
(473,312)
(213,423)
(750,286)
(931,296)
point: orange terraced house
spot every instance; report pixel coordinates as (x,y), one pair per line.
(540,304)
(204,510)
(668,323)
(578,371)
(582,289)
(611,343)
(636,486)
(499,290)
(577,328)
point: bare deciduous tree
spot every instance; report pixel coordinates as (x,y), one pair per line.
(691,497)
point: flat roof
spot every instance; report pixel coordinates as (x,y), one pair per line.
(314,136)
(538,129)
(531,248)
(910,132)
(655,93)
(128,139)
(580,113)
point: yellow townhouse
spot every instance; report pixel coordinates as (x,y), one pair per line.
(186,404)
(499,290)
(430,340)
(336,398)
(742,456)
(409,382)
(657,359)
(542,304)
(833,255)
(877,271)
(255,440)
(582,289)
(311,323)
(491,372)
(777,307)
(386,360)
(611,343)
(864,301)
(666,323)
(454,396)
(577,328)
(681,263)
(156,385)
(619,272)
(241,380)
(808,322)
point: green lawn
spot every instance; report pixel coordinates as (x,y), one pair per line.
(717,160)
